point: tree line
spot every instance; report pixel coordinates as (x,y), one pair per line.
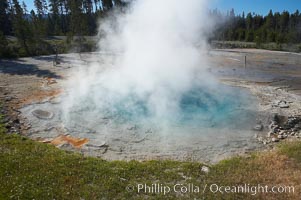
(50,18)
(276,27)
(80,17)
(55,17)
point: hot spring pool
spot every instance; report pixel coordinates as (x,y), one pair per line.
(207,125)
(199,108)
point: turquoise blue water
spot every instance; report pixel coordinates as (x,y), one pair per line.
(222,106)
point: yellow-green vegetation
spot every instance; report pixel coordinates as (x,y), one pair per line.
(33,170)
(293,150)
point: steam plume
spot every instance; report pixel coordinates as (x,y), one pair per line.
(158,52)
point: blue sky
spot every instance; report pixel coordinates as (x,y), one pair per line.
(257,6)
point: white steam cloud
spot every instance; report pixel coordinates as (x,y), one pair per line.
(159,49)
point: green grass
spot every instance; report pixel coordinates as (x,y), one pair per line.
(33,170)
(292,149)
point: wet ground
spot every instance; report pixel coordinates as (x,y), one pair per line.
(31,89)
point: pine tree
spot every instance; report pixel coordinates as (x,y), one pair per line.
(3,45)
(54,18)
(90,22)
(41,8)
(107,5)
(4,19)
(24,8)
(22,29)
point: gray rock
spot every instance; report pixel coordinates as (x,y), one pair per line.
(275,118)
(281,132)
(273,127)
(275,140)
(276,103)
(205,169)
(298,126)
(281,136)
(27,127)
(8,98)
(258,127)
(293,120)
(42,114)
(283,104)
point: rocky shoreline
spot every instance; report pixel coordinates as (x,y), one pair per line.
(282,127)
(281,119)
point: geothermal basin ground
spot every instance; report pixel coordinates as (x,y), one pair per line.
(233,119)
